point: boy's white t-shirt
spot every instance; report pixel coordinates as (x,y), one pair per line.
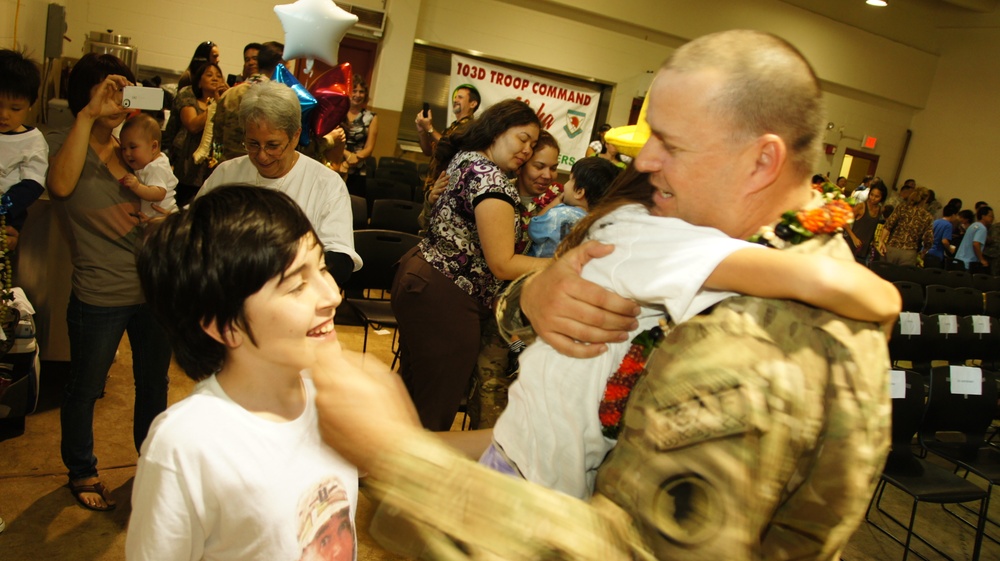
(23,155)
(158,173)
(550,427)
(216,482)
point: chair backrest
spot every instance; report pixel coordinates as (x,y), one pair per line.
(359,209)
(380,250)
(933,276)
(910,347)
(967,302)
(371,165)
(888,271)
(397,215)
(912,294)
(937,299)
(957,279)
(968,414)
(378,188)
(389,161)
(986,283)
(405,176)
(992,303)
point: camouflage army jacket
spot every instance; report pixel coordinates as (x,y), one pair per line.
(769,450)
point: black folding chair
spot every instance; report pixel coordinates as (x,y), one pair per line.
(918,478)
(367,289)
(396,215)
(912,294)
(359,210)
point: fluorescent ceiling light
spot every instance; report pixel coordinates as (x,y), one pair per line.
(879,3)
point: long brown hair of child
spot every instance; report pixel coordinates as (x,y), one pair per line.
(630,187)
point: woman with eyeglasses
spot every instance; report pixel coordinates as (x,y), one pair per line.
(272,120)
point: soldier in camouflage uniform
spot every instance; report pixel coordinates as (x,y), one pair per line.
(759,429)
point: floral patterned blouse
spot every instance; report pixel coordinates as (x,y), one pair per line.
(452,245)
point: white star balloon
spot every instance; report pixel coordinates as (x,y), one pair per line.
(313,29)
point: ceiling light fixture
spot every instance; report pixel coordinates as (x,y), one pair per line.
(879,3)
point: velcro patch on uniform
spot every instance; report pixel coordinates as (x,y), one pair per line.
(703,417)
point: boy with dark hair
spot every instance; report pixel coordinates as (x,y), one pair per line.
(237,470)
(589,179)
(24,154)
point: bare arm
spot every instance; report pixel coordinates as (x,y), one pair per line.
(150,193)
(471,443)
(575,316)
(842,287)
(495,223)
(978,248)
(192,120)
(425,131)
(66,165)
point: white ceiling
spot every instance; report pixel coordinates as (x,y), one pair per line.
(916,23)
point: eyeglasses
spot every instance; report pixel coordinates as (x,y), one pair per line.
(272,149)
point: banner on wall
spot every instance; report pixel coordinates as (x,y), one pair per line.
(567,112)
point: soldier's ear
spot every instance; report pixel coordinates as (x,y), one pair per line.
(766,158)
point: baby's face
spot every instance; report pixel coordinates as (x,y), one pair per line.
(138,148)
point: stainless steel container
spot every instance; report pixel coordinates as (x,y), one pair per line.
(102,42)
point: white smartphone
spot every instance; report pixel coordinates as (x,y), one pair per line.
(138,97)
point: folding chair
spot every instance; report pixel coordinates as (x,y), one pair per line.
(986,283)
(937,299)
(918,478)
(380,250)
(909,339)
(963,401)
(406,176)
(913,295)
(992,300)
(359,210)
(396,215)
(958,279)
(967,301)
(389,162)
(377,188)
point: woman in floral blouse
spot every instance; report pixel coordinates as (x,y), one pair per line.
(446,286)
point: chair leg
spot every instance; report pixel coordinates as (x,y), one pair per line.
(364,346)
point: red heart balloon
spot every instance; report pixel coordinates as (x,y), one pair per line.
(332,91)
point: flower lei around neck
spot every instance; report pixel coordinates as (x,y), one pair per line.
(6,273)
(620,385)
(797,226)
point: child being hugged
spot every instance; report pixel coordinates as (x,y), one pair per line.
(154,182)
(237,470)
(24,154)
(551,432)
(589,179)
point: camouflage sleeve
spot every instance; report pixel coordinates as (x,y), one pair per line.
(513,324)
(454,508)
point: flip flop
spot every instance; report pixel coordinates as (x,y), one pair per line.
(96,488)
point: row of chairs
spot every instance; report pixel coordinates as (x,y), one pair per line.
(922,339)
(941,299)
(380,188)
(933,276)
(948,400)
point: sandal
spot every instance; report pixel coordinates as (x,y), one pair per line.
(97,488)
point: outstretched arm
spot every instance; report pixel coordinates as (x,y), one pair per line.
(843,287)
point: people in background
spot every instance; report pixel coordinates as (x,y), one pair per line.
(589,179)
(934,206)
(24,154)
(204,53)
(247,320)
(191,105)
(227,132)
(600,147)
(444,290)
(908,232)
(943,249)
(104,222)
(250,52)
(867,216)
(361,130)
(465,101)
(272,121)
(970,252)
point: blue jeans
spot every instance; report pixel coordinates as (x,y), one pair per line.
(94,335)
